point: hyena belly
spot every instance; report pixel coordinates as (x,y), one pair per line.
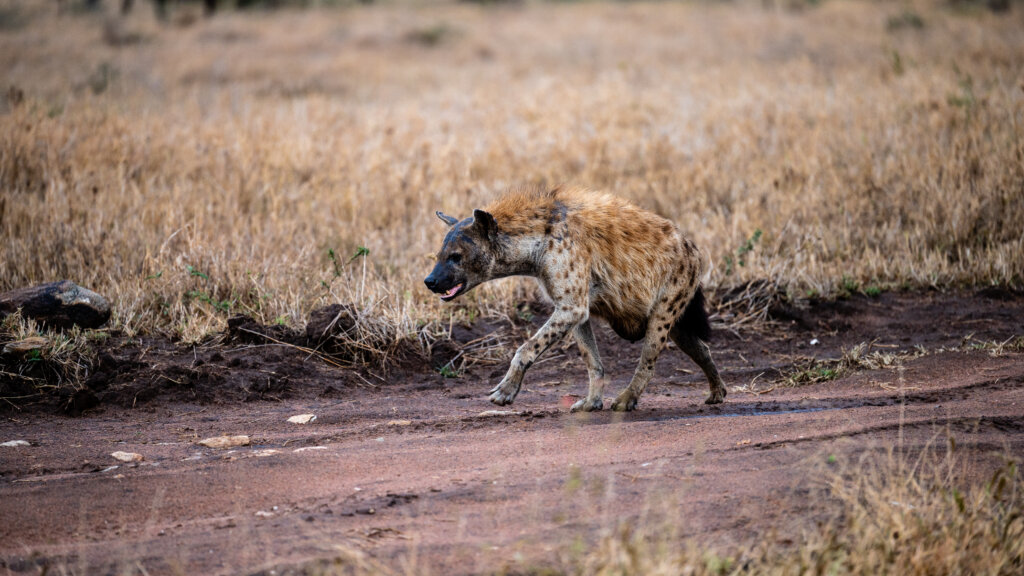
(628,324)
(622,302)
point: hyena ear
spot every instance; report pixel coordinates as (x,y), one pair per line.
(446,218)
(485,223)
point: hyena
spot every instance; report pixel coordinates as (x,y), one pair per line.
(594,255)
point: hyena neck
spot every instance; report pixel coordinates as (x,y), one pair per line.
(517,256)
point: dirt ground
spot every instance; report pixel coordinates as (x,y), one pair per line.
(408,468)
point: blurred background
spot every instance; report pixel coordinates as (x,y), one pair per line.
(193,160)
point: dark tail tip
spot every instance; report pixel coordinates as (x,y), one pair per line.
(694,320)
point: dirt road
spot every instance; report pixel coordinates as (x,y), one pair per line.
(409,467)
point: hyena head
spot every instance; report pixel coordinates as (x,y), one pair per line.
(467,255)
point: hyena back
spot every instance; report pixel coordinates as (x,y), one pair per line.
(595,255)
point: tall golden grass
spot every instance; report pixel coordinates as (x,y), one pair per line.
(192,172)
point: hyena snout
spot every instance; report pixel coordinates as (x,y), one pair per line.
(442,281)
(431,283)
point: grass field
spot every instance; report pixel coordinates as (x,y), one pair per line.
(267,163)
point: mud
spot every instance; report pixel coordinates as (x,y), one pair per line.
(404,466)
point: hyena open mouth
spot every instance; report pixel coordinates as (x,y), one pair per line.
(452,293)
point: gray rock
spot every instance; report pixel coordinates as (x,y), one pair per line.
(58,304)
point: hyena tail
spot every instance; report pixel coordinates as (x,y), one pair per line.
(694,320)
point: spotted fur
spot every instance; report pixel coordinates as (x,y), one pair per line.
(595,256)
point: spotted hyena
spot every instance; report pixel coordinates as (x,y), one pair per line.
(595,255)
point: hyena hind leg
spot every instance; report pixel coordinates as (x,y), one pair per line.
(696,349)
(654,343)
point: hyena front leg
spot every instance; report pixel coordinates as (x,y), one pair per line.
(588,349)
(563,319)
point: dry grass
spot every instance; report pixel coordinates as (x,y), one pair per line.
(996,349)
(37,363)
(202,171)
(872,356)
(863,356)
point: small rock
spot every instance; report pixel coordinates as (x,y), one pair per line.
(225,441)
(307,448)
(498,413)
(14,443)
(26,345)
(127,456)
(264,514)
(399,422)
(302,419)
(815,342)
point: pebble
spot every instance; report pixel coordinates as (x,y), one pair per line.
(302,419)
(225,441)
(14,443)
(127,456)
(499,413)
(399,422)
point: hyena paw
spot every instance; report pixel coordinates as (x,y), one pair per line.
(587,405)
(716,397)
(626,402)
(502,398)
(503,394)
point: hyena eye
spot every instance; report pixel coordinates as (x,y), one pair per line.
(455,258)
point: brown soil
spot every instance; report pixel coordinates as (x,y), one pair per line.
(403,465)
